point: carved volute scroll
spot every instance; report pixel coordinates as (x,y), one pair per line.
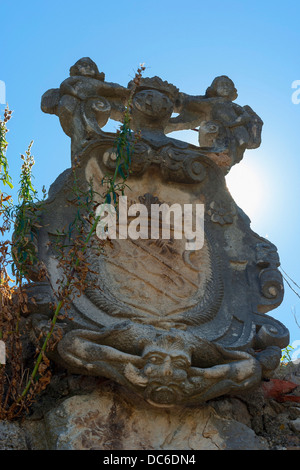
(175,325)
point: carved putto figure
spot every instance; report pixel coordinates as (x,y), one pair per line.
(84,102)
(225,127)
(178,327)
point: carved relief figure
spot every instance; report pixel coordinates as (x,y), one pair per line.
(84,102)
(167,368)
(234,123)
(224,126)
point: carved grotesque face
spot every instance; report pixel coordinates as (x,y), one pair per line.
(153,104)
(167,373)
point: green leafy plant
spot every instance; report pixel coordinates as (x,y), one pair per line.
(286,355)
(15,256)
(4,170)
(124,146)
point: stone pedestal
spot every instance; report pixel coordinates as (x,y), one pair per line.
(110,418)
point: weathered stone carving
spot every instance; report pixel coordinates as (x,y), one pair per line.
(226,128)
(221,214)
(176,326)
(84,102)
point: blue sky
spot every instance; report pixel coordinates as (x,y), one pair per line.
(256,43)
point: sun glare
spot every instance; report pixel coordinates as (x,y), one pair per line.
(247,188)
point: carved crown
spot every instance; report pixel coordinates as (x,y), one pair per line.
(156,83)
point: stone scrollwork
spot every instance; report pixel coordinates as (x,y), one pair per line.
(271,283)
(175,164)
(270,278)
(177,326)
(183,166)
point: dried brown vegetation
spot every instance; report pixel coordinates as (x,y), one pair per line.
(20,385)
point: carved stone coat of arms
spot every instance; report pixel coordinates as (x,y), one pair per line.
(177,326)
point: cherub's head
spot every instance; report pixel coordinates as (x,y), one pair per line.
(222,87)
(87,68)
